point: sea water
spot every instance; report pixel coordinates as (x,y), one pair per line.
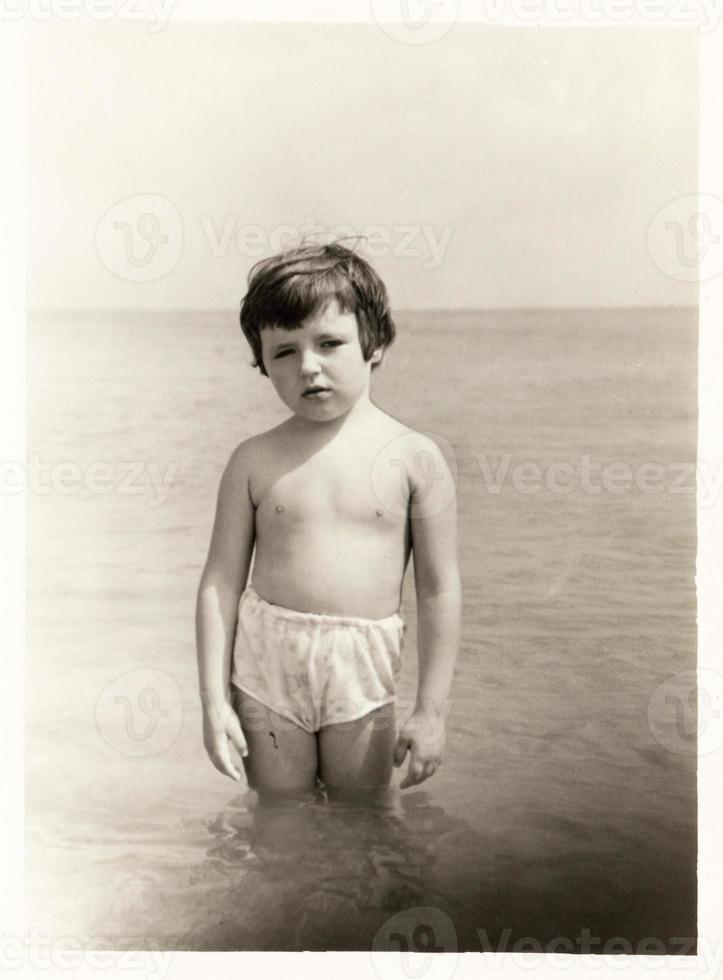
(567,798)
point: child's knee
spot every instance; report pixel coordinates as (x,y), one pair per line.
(275,790)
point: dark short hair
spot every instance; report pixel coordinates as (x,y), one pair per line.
(285,289)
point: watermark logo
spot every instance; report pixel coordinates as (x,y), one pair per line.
(410,476)
(684,239)
(417,935)
(140,712)
(140,238)
(416,21)
(685,712)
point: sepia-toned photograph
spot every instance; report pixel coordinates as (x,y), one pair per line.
(361,475)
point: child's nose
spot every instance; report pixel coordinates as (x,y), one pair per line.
(309,363)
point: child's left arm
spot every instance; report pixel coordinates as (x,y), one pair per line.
(433,514)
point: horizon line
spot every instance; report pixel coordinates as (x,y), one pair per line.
(400,309)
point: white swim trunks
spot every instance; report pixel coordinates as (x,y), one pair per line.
(312,668)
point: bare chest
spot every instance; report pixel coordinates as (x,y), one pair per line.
(333,491)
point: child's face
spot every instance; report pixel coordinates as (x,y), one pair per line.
(324,353)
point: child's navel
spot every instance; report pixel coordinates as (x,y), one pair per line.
(379,512)
(279,508)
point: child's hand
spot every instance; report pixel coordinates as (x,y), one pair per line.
(423,738)
(221,726)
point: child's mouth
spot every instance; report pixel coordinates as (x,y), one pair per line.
(316,392)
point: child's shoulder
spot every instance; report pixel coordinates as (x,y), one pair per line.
(428,462)
(382,434)
(405,440)
(252,451)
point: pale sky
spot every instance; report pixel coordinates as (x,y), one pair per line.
(495,167)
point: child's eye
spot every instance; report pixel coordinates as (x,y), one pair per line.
(282,353)
(332,343)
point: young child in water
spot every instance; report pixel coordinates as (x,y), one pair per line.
(297,666)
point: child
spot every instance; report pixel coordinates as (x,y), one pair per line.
(297,669)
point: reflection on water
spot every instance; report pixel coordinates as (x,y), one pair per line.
(306,875)
(320,875)
(315,875)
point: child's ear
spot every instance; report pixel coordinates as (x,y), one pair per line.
(377,355)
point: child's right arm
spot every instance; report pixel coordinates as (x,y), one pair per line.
(222,582)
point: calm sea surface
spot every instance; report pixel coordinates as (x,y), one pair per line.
(567,798)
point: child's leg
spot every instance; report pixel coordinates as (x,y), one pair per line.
(357,755)
(283,758)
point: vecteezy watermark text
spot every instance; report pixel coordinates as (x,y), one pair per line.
(155,12)
(586,942)
(589,476)
(417,22)
(43,952)
(420,930)
(67,477)
(696,13)
(141,238)
(403,241)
